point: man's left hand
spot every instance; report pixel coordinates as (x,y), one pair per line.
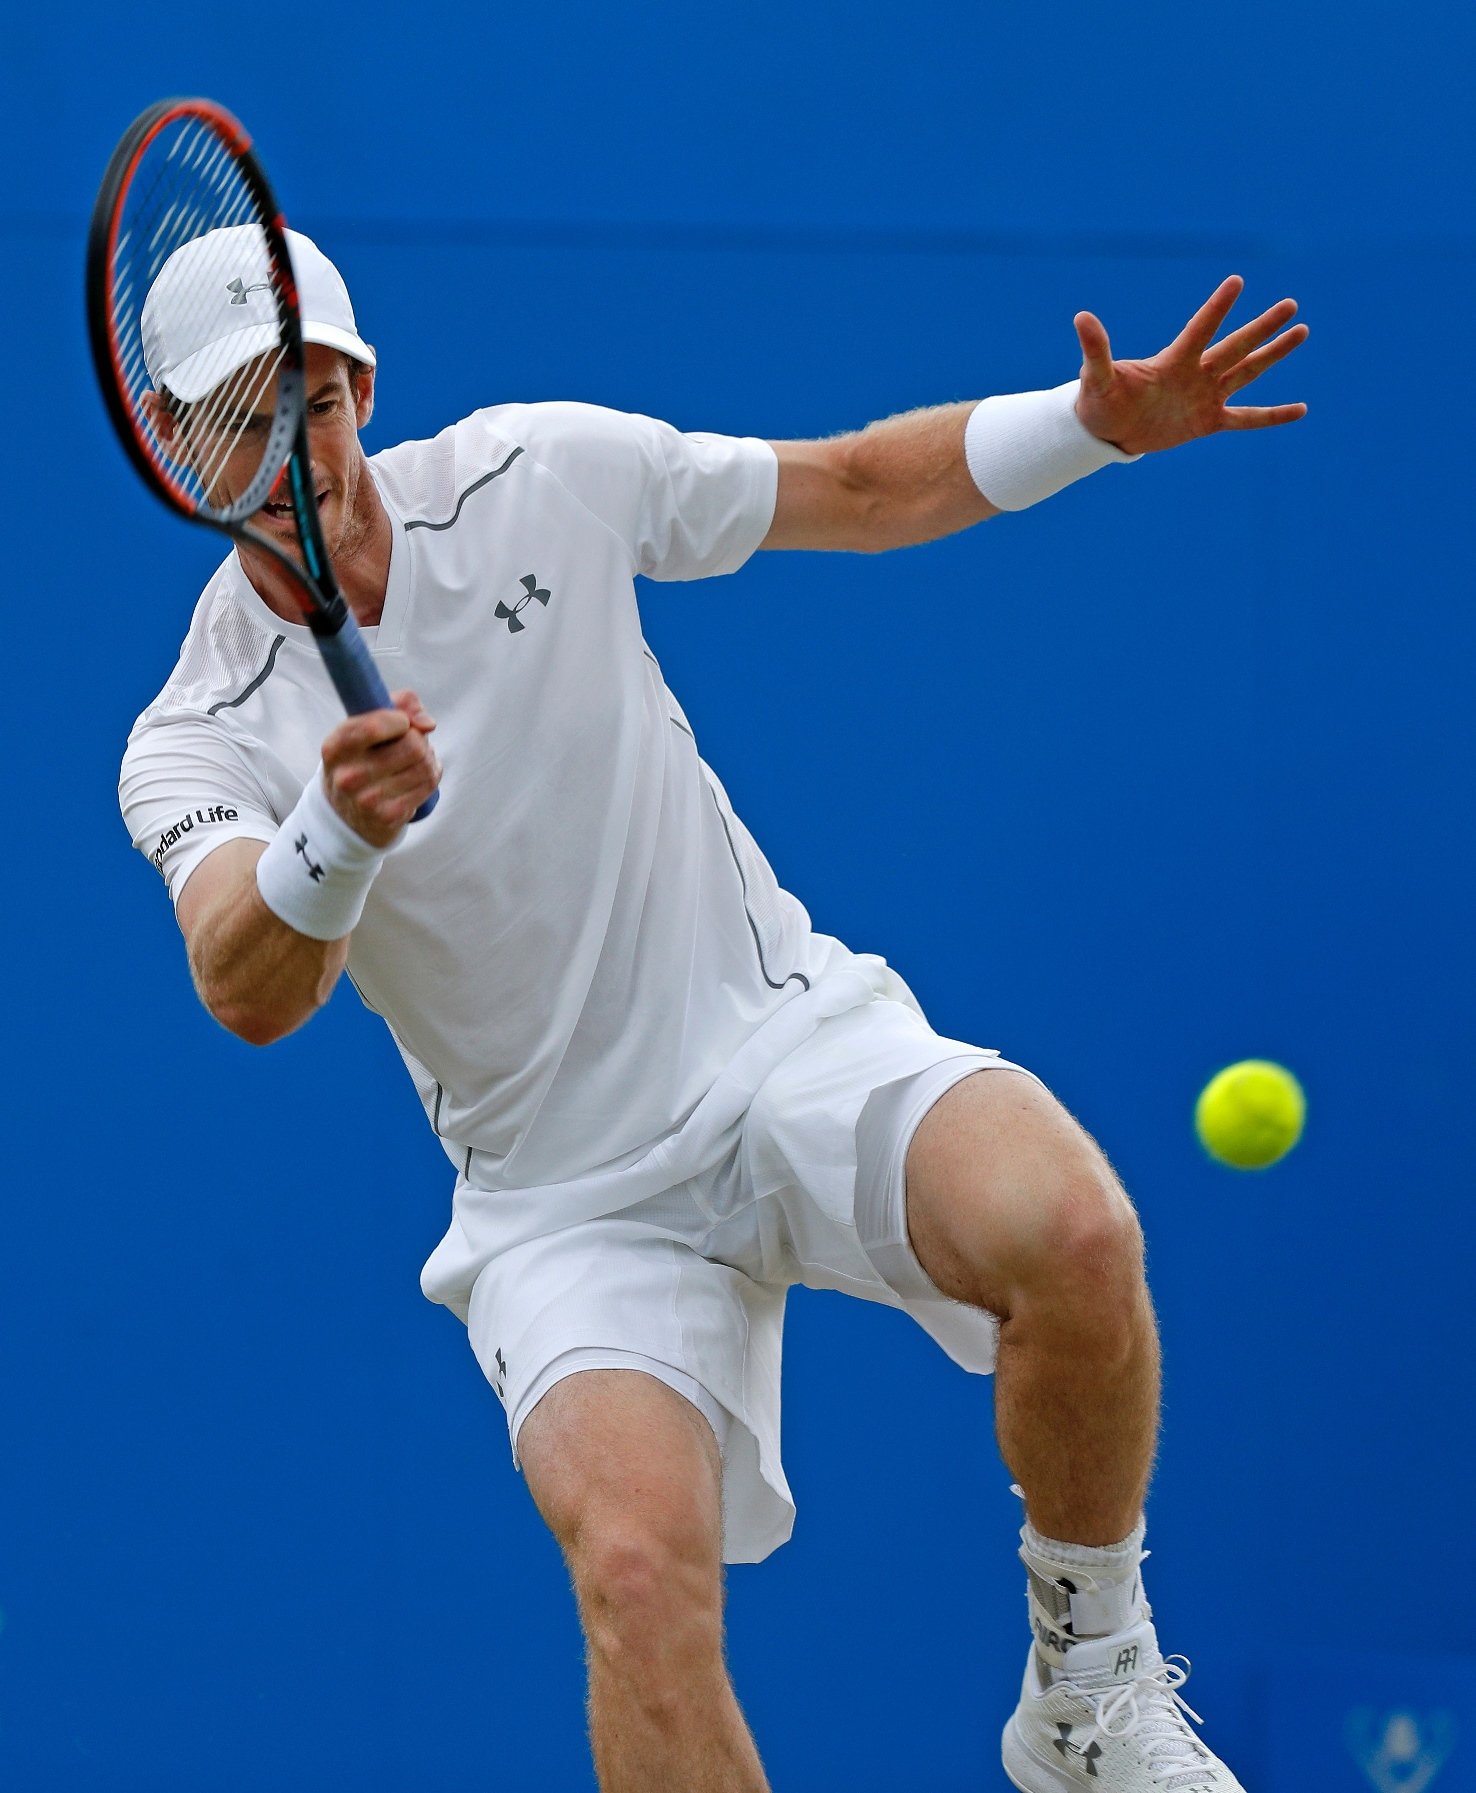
(1183,391)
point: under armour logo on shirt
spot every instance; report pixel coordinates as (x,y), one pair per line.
(531,589)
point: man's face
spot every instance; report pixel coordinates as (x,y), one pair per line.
(338,407)
(224,443)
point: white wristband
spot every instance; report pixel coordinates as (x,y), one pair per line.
(316,872)
(1024,446)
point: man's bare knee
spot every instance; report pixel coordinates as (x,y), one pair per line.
(1009,1199)
(627,1477)
(651,1603)
(615,1439)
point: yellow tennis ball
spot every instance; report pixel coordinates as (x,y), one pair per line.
(1250,1114)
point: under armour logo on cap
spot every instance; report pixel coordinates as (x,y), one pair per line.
(199,327)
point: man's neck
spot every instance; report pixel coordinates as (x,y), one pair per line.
(361,565)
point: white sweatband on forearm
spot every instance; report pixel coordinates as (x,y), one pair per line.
(1024,446)
(316,872)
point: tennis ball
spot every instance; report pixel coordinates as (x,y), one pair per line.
(1250,1114)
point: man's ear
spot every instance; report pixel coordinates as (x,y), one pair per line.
(161,418)
(363,396)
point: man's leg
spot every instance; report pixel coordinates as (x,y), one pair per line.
(628,1477)
(1012,1207)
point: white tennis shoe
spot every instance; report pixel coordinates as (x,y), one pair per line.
(1114,1723)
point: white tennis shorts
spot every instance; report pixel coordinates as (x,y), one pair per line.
(688,1284)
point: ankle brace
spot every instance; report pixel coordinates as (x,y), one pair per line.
(1077,1591)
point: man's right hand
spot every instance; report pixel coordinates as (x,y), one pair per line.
(380,767)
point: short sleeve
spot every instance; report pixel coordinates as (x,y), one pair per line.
(686,506)
(185,789)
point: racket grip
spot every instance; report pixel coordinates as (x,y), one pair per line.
(357,681)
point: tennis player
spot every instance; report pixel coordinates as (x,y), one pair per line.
(666,1097)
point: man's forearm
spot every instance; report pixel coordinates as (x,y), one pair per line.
(938,471)
(259,977)
(268,927)
(926,474)
(915,477)
(931,473)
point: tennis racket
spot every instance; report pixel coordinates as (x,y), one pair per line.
(184,215)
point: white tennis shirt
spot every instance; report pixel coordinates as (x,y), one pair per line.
(578,941)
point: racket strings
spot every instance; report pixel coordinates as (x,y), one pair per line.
(183,157)
(234,409)
(187,188)
(197,156)
(195,190)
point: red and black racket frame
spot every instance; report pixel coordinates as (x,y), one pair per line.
(347,658)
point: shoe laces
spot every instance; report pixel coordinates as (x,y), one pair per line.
(1151,1709)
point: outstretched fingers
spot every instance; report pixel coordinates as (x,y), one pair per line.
(1244,354)
(1253,366)
(1199,332)
(1260,417)
(1224,355)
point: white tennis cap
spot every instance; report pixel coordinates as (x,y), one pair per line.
(210,309)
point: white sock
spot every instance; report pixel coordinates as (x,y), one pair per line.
(1077,1591)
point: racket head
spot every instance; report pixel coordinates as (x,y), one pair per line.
(192,313)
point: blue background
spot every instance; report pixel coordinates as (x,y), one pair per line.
(1168,772)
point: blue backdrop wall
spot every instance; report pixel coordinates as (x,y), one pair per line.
(1170,771)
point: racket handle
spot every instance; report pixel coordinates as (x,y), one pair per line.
(357,681)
